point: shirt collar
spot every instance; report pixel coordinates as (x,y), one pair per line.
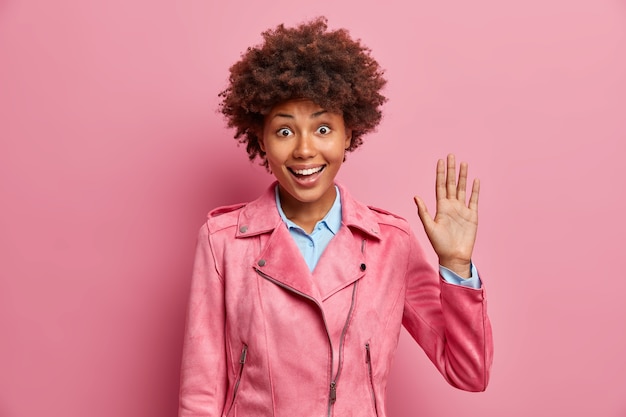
(261,215)
(332,219)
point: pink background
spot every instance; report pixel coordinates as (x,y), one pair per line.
(111,152)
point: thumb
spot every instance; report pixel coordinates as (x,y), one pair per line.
(422,212)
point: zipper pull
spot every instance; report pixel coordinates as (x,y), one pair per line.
(333,392)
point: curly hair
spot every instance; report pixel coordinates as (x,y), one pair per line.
(308,61)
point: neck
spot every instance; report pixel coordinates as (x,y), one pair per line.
(306,214)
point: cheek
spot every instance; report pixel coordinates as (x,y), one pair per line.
(337,153)
(275,155)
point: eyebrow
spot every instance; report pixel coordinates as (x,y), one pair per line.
(289,116)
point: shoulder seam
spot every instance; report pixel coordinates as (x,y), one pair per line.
(223,217)
(390,219)
(221,210)
(220,276)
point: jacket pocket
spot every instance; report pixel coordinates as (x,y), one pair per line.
(242,363)
(368,360)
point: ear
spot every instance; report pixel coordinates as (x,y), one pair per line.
(348,138)
(260,140)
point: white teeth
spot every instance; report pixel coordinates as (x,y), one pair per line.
(308,171)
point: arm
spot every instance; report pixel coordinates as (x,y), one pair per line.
(450,321)
(203,372)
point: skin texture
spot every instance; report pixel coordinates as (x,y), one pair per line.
(299,134)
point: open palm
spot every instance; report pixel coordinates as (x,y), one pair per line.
(452,232)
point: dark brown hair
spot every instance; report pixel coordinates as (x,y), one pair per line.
(308,61)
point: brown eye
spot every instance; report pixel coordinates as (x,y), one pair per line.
(284,132)
(323,130)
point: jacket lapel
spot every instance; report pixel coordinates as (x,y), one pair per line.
(279,258)
(280,261)
(340,264)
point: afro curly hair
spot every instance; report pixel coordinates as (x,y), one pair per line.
(308,61)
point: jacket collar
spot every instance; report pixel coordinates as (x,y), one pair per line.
(342,263)
(261,215)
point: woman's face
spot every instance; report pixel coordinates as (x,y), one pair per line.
(304,146)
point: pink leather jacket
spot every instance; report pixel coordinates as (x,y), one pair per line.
(266,337)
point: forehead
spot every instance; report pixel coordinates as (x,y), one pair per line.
(299,107)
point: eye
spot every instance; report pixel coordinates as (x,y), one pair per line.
(323,130)
(284,132)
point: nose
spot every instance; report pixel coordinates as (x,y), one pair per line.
(304,146)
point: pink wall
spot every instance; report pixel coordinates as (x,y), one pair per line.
(111,152)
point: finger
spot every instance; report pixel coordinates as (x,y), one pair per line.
(451,177)
(440,180)
(422,212)
(473,203)
(462,185)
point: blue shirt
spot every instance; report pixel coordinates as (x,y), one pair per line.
(312,245)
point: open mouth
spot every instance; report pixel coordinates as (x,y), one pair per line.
(303,173)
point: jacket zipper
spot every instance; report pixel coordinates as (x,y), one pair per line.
(368,359)
(242,362)
(332,395)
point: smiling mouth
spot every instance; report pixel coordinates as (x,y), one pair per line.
(301,173)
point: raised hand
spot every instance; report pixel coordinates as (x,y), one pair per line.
(452,232)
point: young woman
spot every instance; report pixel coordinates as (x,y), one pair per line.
(298,297)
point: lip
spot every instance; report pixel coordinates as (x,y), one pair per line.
(307,180)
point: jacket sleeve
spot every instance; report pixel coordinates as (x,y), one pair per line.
(203,371)
(449,322)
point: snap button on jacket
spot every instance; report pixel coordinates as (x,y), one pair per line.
(267,337)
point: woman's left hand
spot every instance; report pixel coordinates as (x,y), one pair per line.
(452,232)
